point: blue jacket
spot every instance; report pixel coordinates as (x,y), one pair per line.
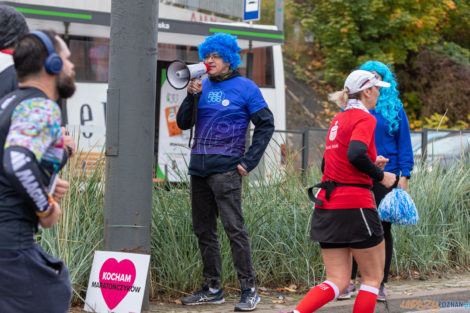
(396,147)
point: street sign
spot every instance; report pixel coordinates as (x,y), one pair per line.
(251,10)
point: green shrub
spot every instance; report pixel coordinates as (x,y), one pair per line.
(277,214)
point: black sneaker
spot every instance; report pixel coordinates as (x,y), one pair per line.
(204,296)
(248,301)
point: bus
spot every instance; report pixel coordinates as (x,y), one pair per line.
(85,26)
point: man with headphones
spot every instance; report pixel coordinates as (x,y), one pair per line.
(33,149)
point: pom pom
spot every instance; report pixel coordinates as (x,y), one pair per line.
(397,207)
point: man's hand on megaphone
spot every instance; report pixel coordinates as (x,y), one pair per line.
(195,86)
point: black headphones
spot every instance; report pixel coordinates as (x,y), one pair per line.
(53,63)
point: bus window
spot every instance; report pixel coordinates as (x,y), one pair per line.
(263,69)
(91,59)
(188,54)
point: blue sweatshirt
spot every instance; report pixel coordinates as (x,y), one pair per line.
(224,111)
(396,147)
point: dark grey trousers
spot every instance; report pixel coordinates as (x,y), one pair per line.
(32,281)
(220,195)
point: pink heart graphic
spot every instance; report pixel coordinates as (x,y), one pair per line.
(116,280)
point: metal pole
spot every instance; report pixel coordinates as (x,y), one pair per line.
(305,153)
(130,127)
(279,15)
(424,144)
(249,75)
(249,61)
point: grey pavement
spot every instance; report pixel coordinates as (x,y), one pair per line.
(404,296)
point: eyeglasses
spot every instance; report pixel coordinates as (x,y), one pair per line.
(213,56)
(377,78)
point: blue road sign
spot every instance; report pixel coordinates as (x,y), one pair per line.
(251,10)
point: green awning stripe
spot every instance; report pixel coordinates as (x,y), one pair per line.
(54,13)
(245,33)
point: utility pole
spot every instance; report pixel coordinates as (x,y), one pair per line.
(130,127)
(279,15)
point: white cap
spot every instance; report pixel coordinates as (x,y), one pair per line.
(360,80)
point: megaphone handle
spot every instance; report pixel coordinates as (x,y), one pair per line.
(194,117)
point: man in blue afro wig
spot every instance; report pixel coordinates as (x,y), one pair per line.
(220,107)
(225,45)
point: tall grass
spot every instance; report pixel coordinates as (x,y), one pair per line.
(277,214)
(80,230)
(441,239)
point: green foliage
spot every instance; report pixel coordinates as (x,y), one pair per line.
(353,31)
(437,80)
(436,121)
(267,12)
(442,197)
(457,24)
(442,122)
(454,51)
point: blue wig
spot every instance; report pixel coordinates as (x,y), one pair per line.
(225,45)
(388,103)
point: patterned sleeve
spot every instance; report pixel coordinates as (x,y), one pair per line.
(35,125)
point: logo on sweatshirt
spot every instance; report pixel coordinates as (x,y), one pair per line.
(333,131)
(215,96)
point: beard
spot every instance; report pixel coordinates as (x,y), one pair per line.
(65,85)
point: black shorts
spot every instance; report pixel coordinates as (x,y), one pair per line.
(368,243)
(339,228)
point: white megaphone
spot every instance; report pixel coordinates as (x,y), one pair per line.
(179,74)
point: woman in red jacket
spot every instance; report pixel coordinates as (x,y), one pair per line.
(345,221)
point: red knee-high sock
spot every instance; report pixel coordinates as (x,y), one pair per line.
(366,299)
(317,297)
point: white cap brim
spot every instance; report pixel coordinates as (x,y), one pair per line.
(381,83)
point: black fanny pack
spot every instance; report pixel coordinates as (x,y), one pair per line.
(329,186)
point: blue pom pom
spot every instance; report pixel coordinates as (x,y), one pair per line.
(397,207)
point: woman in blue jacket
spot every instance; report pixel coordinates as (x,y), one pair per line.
(393,141)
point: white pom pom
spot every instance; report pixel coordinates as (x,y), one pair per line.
(397,207)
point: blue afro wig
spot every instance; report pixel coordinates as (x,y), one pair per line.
(388,103)
(225,45)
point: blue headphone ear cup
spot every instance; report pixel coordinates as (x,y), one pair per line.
(53,64)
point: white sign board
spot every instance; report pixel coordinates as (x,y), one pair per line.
(86,119)
(173,150)
(117,282)
(251,10)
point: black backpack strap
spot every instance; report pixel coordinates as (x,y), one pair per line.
(312,196)
(329,186)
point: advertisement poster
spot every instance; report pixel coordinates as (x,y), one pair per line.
(117,282)
(173,150)
(86,120)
